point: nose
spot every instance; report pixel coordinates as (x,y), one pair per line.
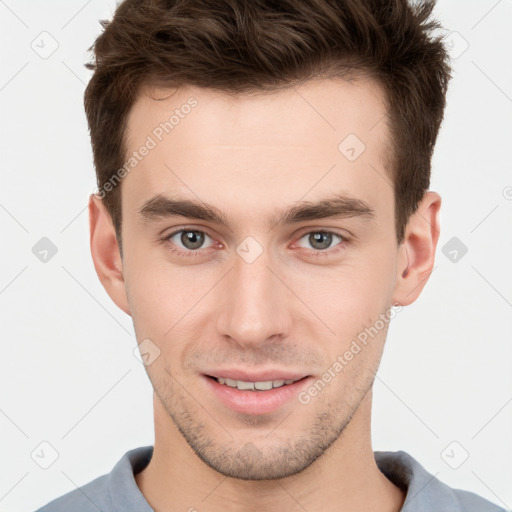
(255,302)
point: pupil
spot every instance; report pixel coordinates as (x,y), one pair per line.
(192,239)
(316,237)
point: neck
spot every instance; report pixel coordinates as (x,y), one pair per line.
(345,478)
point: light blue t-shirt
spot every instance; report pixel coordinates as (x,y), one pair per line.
(117,491)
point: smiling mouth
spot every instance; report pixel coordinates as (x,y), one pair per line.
(254,386)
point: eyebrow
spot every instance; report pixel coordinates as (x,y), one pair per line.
(334,206)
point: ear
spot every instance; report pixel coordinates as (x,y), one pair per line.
(105,253)
(417,252)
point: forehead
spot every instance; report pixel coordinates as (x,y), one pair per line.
(253,151)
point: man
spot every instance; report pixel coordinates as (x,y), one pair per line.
(263,172)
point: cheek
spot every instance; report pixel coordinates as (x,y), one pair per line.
(351,294)
(352,301)
(164,298)
(151,293)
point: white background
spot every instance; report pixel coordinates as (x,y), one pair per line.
(68,374)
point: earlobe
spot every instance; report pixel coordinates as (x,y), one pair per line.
(105,253)
(417,253)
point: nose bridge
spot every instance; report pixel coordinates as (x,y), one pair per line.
(253,309)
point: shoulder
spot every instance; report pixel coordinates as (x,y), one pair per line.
(116,490)
(473,503)
(90,497)
(425,492)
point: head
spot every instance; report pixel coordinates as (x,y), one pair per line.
(268,117)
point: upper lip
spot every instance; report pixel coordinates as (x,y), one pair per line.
(261,376)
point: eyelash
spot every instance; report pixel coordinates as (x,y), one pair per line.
(313,252)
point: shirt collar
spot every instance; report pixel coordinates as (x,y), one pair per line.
(423,490)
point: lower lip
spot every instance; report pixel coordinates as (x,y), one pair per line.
(255,402)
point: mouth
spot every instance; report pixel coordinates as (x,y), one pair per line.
(254,385)
(255,394)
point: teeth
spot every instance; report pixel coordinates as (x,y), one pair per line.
(261,386)
(244,385)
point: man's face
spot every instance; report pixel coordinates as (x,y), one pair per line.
(250,301)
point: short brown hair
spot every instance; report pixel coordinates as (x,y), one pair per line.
(241,46)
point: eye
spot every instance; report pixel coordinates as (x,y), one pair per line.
(321,241)
(191,240)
